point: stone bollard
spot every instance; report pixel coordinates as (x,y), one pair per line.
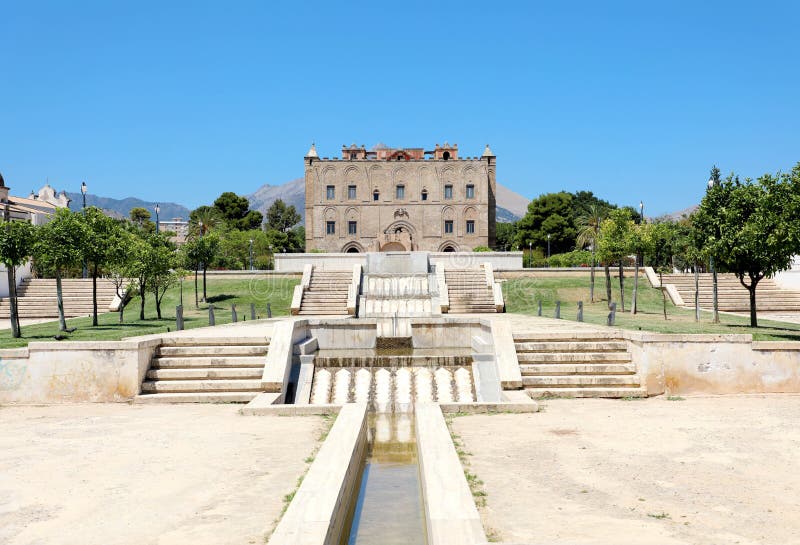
(612,316)
(540,309)
(234,317)
(211,320)
(580,311)
(558,310)
(269,311)
(252,311)
(179,318)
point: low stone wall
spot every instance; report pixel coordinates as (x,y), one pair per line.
(294,263)
(319,509)
(714,364)
(65,372)
(452,517)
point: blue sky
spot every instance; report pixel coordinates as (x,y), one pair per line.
(174,101)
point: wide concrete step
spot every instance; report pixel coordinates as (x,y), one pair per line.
(213,350)
(538,393)
(573,357)
(572,346)
(161,362)
(540,369)
(322,312)
(197,397)
(584,381)
(206,373)
(189,386)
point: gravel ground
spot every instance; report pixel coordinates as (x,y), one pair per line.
(705,470)
(146,474)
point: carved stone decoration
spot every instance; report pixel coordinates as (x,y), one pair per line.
(401,213)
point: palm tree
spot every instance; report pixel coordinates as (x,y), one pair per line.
(203,220)
(588,231)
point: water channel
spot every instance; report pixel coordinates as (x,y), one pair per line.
(389,509)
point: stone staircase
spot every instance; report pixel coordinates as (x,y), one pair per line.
(733,297)
(326,293)
(591,364)
(37,297)
(205,371)
(468,291)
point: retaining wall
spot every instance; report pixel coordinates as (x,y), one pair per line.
(63,372)
(714,364)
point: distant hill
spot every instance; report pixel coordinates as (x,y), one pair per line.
(120,208)
(510,205)
(686,212)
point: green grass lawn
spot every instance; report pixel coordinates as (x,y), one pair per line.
(522,296)
(222,293)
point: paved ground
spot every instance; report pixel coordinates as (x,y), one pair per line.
(120,474)
(722,470)
(6,323)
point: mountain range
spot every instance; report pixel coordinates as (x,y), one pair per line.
(510,205)
(120,208)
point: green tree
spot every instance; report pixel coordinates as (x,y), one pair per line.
(504,236)
(751,228)
(161,264)
(121,265)
(203,220)
(549,214)
(96,250)
(235,210)
(140,217)
(201,252)
(614,243)
(281,217)
(584,202)
(59,246)
(641,244)
(588,231)
(16,246)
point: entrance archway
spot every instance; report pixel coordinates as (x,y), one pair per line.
(448,249)
(393,247)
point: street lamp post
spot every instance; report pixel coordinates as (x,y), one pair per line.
(251,255)
(271,258)
(548,249)
(157,209)
(84,189)
(711,184)
(530,254)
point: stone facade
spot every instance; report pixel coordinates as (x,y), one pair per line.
(400,199)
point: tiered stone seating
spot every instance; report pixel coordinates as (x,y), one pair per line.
(326,293)
(209,371)
(732,296)
(37,297)
(569,364)
(468,291)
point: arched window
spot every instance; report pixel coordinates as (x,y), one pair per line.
(446,155)
(424,195)
(376,195)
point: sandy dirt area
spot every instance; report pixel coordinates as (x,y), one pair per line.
(146,474)
(713,470)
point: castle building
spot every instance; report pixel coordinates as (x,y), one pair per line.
(400,199)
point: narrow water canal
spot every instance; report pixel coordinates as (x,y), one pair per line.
(389,508)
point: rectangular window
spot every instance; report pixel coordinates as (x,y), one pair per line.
(351,192)
(401,192)
(448,226)
(376,196)
(424,195)
(330,227)
(470,191)
(352,227)
(330,192)
(470,227)
(448,192)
